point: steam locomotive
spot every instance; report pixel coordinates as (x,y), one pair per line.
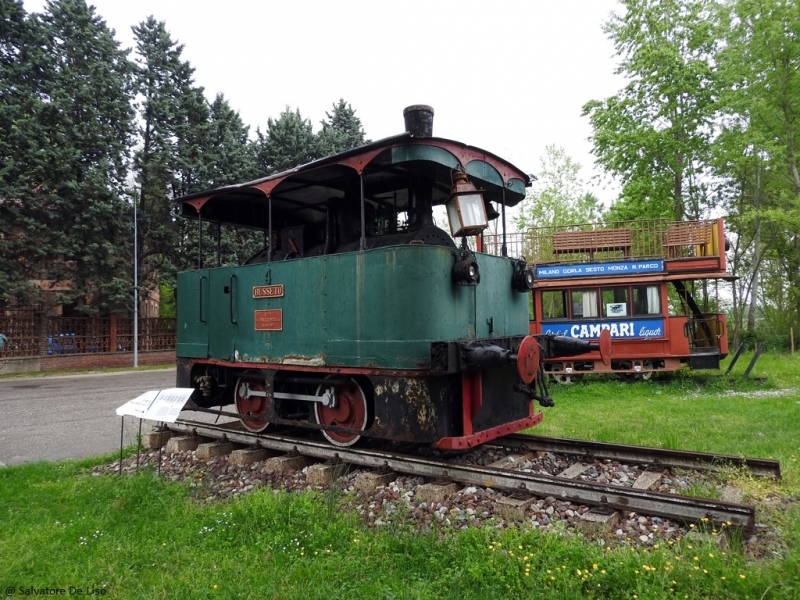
(360,317)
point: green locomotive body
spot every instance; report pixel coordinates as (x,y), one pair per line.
(378,309)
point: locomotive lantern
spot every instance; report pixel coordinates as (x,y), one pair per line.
(465,208)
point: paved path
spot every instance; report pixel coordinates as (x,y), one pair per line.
(58,417)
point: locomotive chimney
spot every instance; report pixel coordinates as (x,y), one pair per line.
(419,120)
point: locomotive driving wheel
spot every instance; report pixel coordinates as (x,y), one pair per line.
(350,411)
(252,400)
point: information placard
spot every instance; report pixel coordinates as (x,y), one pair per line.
(157,405)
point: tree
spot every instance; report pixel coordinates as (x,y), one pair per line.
(229,155)
(757,155)
(289,141)
(228,158)
(557,197)
(174,121)
(72,136)
(341,130)
(654,134)
(21,53)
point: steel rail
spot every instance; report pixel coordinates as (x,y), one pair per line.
(653,456)
(683,508)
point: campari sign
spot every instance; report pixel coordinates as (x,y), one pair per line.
(589,330)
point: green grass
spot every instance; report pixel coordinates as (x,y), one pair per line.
(702,411)
(143,537)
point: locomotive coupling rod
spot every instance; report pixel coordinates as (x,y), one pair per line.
(327,398)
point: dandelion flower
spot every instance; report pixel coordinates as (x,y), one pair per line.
(741,576)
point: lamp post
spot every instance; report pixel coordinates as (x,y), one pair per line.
(135,288)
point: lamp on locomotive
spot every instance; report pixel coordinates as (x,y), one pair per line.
(466,210)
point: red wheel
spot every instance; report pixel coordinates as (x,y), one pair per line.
(350,411)
(528,359)
(251,400)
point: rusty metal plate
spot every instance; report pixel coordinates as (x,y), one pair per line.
(269,319)
(268,291)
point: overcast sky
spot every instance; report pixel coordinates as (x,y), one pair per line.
(508,77)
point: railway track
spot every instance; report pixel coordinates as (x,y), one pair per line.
(682,459)
(607,497)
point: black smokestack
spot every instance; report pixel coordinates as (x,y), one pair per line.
(419,120)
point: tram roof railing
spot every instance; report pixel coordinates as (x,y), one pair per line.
(617,240)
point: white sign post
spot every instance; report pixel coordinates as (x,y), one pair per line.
(160,405)
(155,405)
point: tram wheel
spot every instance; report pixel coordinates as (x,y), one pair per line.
(251,400)
(644,376)
(351,412)
(564,379)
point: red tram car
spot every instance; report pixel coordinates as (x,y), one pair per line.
(618,276)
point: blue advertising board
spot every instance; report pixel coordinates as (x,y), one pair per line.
(633,267)
(633,329)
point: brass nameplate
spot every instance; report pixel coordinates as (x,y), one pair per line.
(268,291)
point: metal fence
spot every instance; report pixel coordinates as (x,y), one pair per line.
(30,334)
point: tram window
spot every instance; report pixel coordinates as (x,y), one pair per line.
(584,304)
(646,300)
(554,304)
(615,302)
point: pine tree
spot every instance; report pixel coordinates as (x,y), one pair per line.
(288,142)
(341,130)
(73,136)
(20,57)
(174,121)
(229,156)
